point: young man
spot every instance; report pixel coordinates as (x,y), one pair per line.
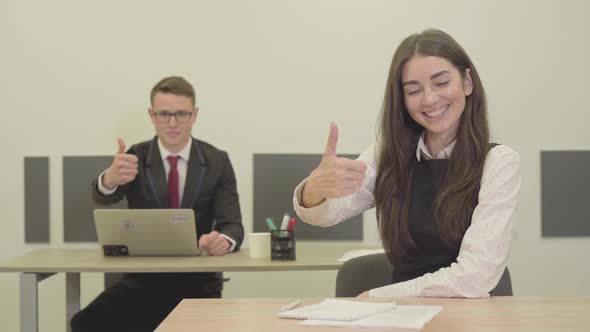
(173,170)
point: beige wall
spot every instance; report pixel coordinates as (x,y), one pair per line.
(270,75)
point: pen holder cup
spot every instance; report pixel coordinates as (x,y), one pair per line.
(282,245)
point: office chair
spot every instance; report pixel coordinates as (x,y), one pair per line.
(371,271)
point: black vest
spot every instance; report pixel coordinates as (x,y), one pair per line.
(431,252)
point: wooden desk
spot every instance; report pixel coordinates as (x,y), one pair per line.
(42,263)
(506,314)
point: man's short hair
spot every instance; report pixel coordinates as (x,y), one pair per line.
(175,85)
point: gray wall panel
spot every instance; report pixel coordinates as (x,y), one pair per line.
(565,193)
(275,178)
(78,174)
(36,199)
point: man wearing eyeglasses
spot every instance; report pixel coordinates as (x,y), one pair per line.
(173,170)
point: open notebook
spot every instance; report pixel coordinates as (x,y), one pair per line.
(346,313)
(341,310)
(400,317)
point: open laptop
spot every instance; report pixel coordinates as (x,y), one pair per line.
(146,232)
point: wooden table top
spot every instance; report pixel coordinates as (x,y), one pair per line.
(506,314)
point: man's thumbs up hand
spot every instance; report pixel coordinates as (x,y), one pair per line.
(123,169)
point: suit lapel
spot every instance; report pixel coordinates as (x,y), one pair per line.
(157,175)
(197,167)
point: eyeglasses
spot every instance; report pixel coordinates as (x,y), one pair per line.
(181,116)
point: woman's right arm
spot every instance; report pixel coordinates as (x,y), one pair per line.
(333,182)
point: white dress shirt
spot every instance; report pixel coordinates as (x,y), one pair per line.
(486,244)
(181,166)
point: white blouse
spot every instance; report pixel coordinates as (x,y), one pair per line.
(485,247)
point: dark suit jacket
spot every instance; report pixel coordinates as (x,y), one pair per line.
(210,190)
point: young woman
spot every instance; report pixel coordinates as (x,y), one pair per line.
(445,196)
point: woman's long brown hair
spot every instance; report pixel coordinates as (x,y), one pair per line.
(396,153)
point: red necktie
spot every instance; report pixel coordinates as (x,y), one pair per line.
(173,183)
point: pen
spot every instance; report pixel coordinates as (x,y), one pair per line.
(291,305)
(291,224)
(270,224)
(213,224)
(285,222)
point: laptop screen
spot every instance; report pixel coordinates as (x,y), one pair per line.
(146,232)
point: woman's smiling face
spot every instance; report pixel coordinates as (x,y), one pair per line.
(434,94)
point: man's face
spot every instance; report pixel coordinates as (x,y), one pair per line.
(180,114)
